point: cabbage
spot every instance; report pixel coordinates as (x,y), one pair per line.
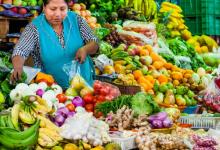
(143,103)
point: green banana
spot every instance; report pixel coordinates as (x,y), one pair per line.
(31,140)
(9,122)
(19,135)
(14,116)
(11,143)
(3,121)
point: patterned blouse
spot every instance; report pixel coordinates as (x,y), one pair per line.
(29,44)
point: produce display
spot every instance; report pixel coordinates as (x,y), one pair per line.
(154,80)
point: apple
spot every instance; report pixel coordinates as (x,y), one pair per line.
(17,2)
(40,2)
(22,11)
(14,9)
(24,3)
(33,3)
(131,52)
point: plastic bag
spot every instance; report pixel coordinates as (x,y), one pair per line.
(147,29)
(133,37)
(101,61)
(73,71)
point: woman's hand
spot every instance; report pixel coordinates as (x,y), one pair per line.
(81,55)
(16,74)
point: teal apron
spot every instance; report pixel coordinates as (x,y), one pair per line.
(54,56)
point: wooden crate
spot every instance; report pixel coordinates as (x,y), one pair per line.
(4,27)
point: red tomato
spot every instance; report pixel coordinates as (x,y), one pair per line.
(70,107)
(88,98)
(89,107)
(100,98)
(61,97)
(97,85)
(104,91)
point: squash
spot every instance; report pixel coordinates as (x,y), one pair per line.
(158,64)
(41,77)
(162,79)
(137,74)
(177,75)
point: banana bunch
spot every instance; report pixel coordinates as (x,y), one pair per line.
(176,22)
(13,139)
(147,7)
(27,109)
(48,133)
(6,121)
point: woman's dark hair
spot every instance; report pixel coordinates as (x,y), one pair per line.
(45,2)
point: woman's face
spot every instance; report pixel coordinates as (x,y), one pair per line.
(55,11)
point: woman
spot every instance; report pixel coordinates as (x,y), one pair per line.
(55,38)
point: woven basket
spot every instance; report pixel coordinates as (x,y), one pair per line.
(128,90)
(165,130)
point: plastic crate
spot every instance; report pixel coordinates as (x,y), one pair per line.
(194,24)
(207,24)
(191,109)
(190,7)
(125,143)
(211,25)
(200,7)
(200,122)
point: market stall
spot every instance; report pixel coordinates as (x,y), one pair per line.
(156,85)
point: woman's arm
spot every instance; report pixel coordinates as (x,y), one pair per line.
(89,38)
(22,50)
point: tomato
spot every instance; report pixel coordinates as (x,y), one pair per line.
(70,107)
(104,91)
(97,85)
(100,98)
(88,98)
(89,107)
(62,98)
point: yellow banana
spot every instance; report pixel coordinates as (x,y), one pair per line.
(48,123)
(171,5)
(52,134)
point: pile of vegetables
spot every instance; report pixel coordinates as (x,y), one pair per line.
(122,120)
(205,142)
(154,141)
(83,126)
(141,103)
(191,59)
(160,120)
(66,108)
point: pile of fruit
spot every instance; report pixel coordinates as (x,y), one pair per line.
(175,20)
(80,9)
(202,44)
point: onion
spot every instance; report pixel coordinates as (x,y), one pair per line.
(63,111)
(70,114)
(40,92)
(167,123)
(77,101)
(159,116)
(157,124)
(59,119)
